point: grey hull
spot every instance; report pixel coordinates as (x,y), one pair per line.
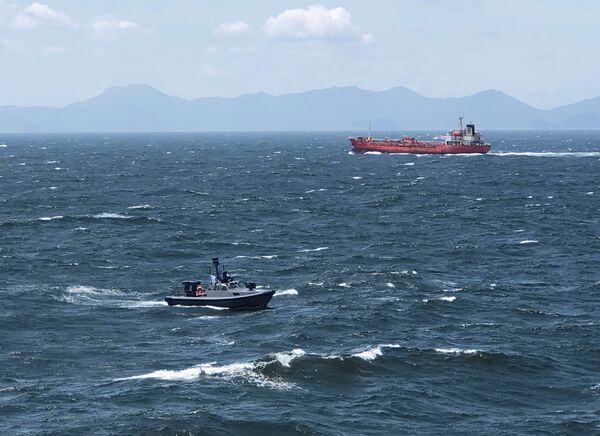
(254,301)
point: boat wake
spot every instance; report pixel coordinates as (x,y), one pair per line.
(285,292)
(547,153)
(92,296)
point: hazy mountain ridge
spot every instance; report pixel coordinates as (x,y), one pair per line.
(143,108)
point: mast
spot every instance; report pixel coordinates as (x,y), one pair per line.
(460,119)
(369,129)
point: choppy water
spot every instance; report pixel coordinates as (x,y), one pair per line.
(415,294)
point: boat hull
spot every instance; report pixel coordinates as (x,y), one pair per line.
(258,300)
(362,145)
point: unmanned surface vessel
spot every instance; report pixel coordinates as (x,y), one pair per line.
(223,291)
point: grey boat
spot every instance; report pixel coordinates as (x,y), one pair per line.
(223,291)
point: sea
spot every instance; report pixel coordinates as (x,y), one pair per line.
(414,294)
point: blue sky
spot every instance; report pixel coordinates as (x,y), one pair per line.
(544,52)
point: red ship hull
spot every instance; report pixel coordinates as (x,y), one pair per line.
(362,145)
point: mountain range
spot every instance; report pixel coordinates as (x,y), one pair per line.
(141,108)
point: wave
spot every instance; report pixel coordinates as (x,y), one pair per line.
(286,292)
(374,352)
(50,218)
(112,215)
(287,369)
(457,350)
(547,153)
(285,359)
(309,250)
(270,256)
(249,371)
(449,299)
(266,372)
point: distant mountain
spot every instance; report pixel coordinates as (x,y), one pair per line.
(137,108)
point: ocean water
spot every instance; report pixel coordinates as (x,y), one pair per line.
(415,294)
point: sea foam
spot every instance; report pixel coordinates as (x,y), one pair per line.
(286,292)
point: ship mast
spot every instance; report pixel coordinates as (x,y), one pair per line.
(369,129)
(461,124)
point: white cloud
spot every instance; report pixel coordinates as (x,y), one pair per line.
(110,23)
(316,22)
(38,13)
(232,28)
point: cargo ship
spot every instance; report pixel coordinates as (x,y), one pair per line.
(460,140)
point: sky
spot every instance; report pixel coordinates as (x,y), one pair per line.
(55,52)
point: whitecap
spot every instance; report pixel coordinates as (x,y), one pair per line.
(141,206)
(447,298)
(457,350)
(390,285)
(528,241)
(369,354)
(286,292)
(374,352)
(3,145)
(112,215)
(373,153)
(357,177)
(409,164)
(50,218)
(247,371)
(270,256)
(235,369)
(343,285)
(308,250)
(286,358)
